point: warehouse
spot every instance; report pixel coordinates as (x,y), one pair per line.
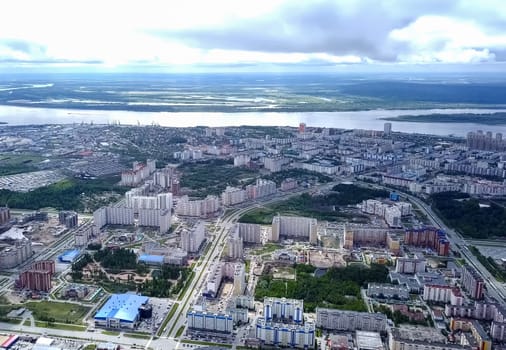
(120,311)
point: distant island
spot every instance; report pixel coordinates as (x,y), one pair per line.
(498,118)
(1,123)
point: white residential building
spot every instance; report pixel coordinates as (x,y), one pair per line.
(262,188)
(294,227)
(233,195)
(198,208)
(239,279)
(191,240)
(285,335)
(283,309)
(235,246)
(160,218)
(242,159)
(341,320)
(250,233)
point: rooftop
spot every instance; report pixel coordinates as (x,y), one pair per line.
(124,307)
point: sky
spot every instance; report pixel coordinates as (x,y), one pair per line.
(251,35)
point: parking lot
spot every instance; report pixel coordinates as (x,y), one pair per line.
(161,308)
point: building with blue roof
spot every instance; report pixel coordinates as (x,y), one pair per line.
(120,311)
(151,259)
(69,256)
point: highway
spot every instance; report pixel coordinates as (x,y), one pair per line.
(495,289)
(168,339)
(459,244)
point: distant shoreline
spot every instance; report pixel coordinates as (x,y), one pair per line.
(497,118)
(365,119)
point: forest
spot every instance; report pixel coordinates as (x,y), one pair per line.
(468,217)
(212,176)
(63,195)
(321,207)
(338,288)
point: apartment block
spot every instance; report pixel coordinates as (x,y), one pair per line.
(340,320)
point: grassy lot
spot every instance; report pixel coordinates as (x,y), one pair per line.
(113,333)
(15,164)
(63,326)
(180,332)
(10,320)
(137,335)
(206,343)
(267,248)
(57,312)
(90,347)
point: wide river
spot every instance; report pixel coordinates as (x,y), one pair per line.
(346,120)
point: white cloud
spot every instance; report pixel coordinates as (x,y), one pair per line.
(231,32)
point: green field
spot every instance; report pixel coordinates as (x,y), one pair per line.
(137,335)
(63,326)
(267,248)
(15,164)
(57,312)
(113,333)
(197,342)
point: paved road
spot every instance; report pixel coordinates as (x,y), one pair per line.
(458,243)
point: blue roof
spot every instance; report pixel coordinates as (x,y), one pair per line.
(69,255)
(153,259)
(124,307)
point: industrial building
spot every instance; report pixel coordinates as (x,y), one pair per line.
(121,311)
(69,256)
(294,227)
